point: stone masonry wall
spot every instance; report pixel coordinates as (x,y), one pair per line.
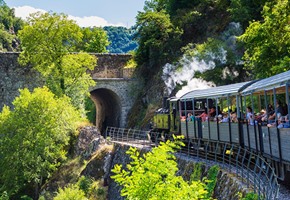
(111,65)
(14,77)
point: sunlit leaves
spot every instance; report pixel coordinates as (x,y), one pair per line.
(267,42)
(153,176)
(48,42)
(94,40)
(33,138)
(158,40)
(9,26)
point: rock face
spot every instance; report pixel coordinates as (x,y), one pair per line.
(227,185)
(89,141)
(119,156)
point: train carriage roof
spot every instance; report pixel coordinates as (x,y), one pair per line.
(219,91)
(275,81)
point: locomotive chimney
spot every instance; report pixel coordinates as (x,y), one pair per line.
(165,103)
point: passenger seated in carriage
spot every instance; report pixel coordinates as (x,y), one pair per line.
(262,117)
(225,118)
(250,116)
(283,122)
(212,113)
(203,115)
(233,116)
(279,111)
(190,117)
(182,118)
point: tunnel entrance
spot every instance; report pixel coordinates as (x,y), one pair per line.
(108,108)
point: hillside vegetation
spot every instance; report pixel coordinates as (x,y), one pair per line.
(121,39)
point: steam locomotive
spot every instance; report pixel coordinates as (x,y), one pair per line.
(237,114)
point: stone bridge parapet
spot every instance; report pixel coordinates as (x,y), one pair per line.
(112,66)
(110,94)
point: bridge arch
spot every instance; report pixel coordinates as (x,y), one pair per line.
(108,108)
(113,100)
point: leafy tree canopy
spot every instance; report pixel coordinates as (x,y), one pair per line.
(48,42)
(9,26)
(94,40)
(158,40)
(245,11)
(70,192)
(268,42)
(153,176)
(33,138)
(121,39)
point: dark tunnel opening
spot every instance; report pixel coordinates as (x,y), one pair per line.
(108,108)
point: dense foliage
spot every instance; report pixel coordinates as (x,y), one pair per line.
(158,41)
(153,176)
(33,139)
(70,192)
(85,188)
(121,39)
(9,27)
(54,38)
(94,40)
(268,42)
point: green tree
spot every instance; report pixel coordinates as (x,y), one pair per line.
(48,42)
(94,40)
(153,176)
(6,39)
(245,11)
(121,39)
(33,138)
(9,26)
(158,40)
(268,42)
(71,192)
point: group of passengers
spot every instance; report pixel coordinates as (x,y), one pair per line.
(262,118)
(211,115)
(268,119)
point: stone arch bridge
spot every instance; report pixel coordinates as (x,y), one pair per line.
(113,101)
(111,94)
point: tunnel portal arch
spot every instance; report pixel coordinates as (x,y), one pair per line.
(113,98)
(108,108)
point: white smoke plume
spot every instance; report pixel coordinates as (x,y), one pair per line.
(172,75)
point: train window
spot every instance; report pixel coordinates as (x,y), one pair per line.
(199,106)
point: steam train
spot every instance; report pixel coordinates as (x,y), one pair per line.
(226,117)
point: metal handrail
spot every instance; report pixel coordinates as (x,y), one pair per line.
(249,167)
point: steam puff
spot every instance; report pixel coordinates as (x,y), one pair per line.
(173,75)
(194,84)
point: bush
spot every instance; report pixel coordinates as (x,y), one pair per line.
(70,192)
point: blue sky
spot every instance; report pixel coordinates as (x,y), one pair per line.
(84,12)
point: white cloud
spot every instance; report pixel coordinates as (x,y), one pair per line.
(92,21)
(86,21)
(24,11)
